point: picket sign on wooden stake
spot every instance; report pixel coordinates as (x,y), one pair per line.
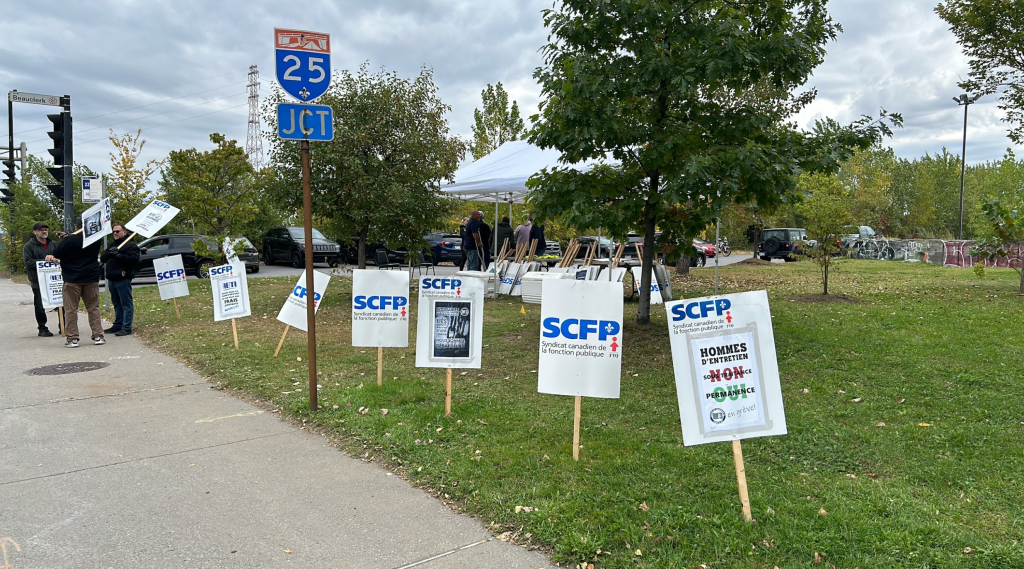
(448,393)
(234,332)
(283,336)
(380,365)
(176,311)
(741,479)
(576,429)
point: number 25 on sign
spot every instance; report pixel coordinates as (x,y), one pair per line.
(303,61)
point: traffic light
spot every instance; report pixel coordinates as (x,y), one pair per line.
(61,152)
(9,179)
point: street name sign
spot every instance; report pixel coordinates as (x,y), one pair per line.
(34,98)
(303,61)
(309,122)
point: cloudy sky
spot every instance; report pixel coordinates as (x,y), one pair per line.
(178,70)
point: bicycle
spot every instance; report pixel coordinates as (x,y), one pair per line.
(723,247)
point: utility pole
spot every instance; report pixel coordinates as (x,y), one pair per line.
(965,101)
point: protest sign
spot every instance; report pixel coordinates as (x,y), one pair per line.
(153,217)
(449,329)
(230,292)
(51,283)
(727,373)
(380,312)
(96,222)
(293,312)
(509,278)
(637,273)
(170,279)
(580,342)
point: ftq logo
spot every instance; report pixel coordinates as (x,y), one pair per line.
(174,274)
(225,270)
(698,310)
(442,284)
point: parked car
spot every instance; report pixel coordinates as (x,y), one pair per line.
(350,251)
(288,243)
(248,254)
(605,250)
(443,247)
(168,245)
(781,243)
(709,248)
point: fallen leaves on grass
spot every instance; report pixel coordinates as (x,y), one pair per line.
(643,506)
(822,512)
(879,424)
(900,399)
(924,424)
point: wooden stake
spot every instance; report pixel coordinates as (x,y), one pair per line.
(234,332)
(741,479)
(281,343)
(60,321)
(576,429)
(125,242)
(176,311)
(380,365)
(533,249)
(448,394)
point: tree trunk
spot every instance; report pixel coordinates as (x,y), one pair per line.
(683,264)
(643,313)
(362,247)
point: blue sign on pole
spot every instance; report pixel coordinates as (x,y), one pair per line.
(309,122)
(303,63)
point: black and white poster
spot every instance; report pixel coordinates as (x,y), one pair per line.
(450,320)
(452,329)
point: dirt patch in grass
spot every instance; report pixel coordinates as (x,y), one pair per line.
(754,261)
(824,298)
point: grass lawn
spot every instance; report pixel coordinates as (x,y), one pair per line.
(904,403)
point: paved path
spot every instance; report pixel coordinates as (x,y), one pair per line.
(143,464)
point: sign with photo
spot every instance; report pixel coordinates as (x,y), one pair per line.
(449,330)
(637,273)
(170,277)
(727,373)
(96,223)
(293,313)
(580,338)
(380,309)
(152,218)
(51,283)
(230,292)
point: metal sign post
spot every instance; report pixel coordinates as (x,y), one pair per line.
(304,72)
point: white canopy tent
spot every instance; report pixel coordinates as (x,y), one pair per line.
(501,175)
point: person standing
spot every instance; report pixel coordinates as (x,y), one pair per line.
(537,233)
(121,258)
(472,243)
(485,239)
(522,232)
(462,234)
(504,231)
(80,267)
(36,250)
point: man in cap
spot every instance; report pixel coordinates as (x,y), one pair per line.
(120,259)
(36,250)
(80,267)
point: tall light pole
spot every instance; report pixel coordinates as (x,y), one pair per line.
(963,100)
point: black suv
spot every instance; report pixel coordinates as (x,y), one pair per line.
(168,245)
(288,244)
(781,243)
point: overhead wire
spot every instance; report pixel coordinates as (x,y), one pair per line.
(140,106)
(168,87)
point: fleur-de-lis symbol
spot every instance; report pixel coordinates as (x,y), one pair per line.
(608,328)
(304,94)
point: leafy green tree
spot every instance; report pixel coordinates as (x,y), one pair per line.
(1006,235)
(496,124)
(695,100)
(992,34)
(827,212)
(379,178)
(126,185)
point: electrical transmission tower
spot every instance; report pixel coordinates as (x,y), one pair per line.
(254,139)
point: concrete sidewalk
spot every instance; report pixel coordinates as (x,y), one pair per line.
(143,464)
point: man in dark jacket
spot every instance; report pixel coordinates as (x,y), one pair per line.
(537,233)
(504,231)
(120,269)
(36,250)
(80,267)
(485,237)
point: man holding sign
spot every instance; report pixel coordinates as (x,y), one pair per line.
(121,259)
(81,269)
(36,250)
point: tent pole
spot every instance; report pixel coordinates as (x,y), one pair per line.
(494,231)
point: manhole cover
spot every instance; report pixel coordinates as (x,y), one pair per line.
(73,367)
